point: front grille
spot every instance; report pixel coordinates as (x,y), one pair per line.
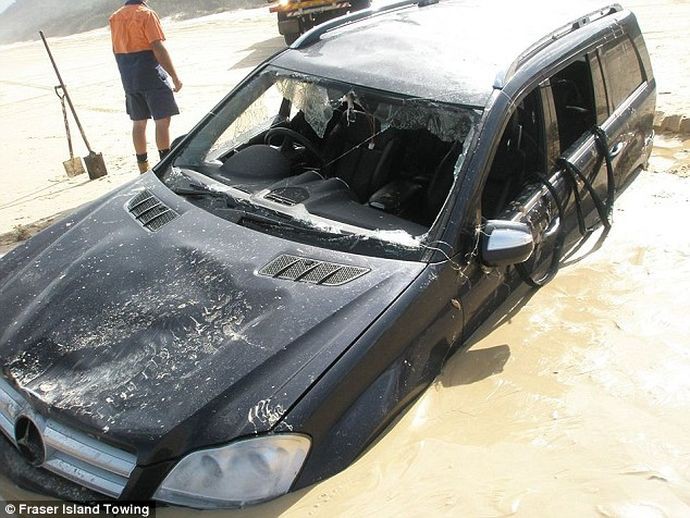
(69,453)
(300,269)
(150,211)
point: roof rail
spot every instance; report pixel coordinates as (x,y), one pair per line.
(315,34)
(558,34)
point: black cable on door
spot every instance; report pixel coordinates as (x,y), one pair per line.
(604,210)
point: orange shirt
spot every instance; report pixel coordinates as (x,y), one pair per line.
(134,28)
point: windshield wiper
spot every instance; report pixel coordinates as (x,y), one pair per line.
(256,219)
(194,189)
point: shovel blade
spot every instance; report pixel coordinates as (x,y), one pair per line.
(95,165)
(74,167)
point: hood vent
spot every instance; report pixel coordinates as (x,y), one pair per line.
(150,211)
(299,269)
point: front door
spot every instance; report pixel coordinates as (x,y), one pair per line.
(521,151)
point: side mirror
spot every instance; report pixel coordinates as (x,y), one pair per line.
(505,243)
(177,141)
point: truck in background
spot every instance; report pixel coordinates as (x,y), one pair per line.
(295,17)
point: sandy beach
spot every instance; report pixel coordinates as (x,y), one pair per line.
(212,53)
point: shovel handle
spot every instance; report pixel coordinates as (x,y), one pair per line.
(64,115)
(64,90)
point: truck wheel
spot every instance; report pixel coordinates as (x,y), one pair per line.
(291,38)
(329,15)
(358,5)
(290,28)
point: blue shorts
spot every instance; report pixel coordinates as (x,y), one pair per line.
(156,104)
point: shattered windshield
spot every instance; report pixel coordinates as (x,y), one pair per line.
(329,163)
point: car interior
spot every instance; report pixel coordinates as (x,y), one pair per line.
(363,171)
(573,95)
(520,152)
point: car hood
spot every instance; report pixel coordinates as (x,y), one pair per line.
(170,340)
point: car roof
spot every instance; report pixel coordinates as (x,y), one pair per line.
(455,51)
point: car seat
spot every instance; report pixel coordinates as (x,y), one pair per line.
(357,153)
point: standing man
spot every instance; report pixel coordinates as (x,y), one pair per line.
(146,70)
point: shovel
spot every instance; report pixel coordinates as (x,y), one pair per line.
(95,164)
(73,166)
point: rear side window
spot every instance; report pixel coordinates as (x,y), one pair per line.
(574,100)
(623,71)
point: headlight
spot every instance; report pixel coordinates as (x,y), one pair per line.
(244,472)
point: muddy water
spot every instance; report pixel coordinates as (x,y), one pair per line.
(671,155)
(578,405)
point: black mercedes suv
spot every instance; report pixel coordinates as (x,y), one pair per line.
(244,320)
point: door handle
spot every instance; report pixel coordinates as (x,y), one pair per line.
(616,150)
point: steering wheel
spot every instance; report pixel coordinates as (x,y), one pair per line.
(293,145)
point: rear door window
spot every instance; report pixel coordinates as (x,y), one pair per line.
(623,70)
(575,101)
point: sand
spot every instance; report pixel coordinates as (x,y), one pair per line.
(212,54)
(578,405)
